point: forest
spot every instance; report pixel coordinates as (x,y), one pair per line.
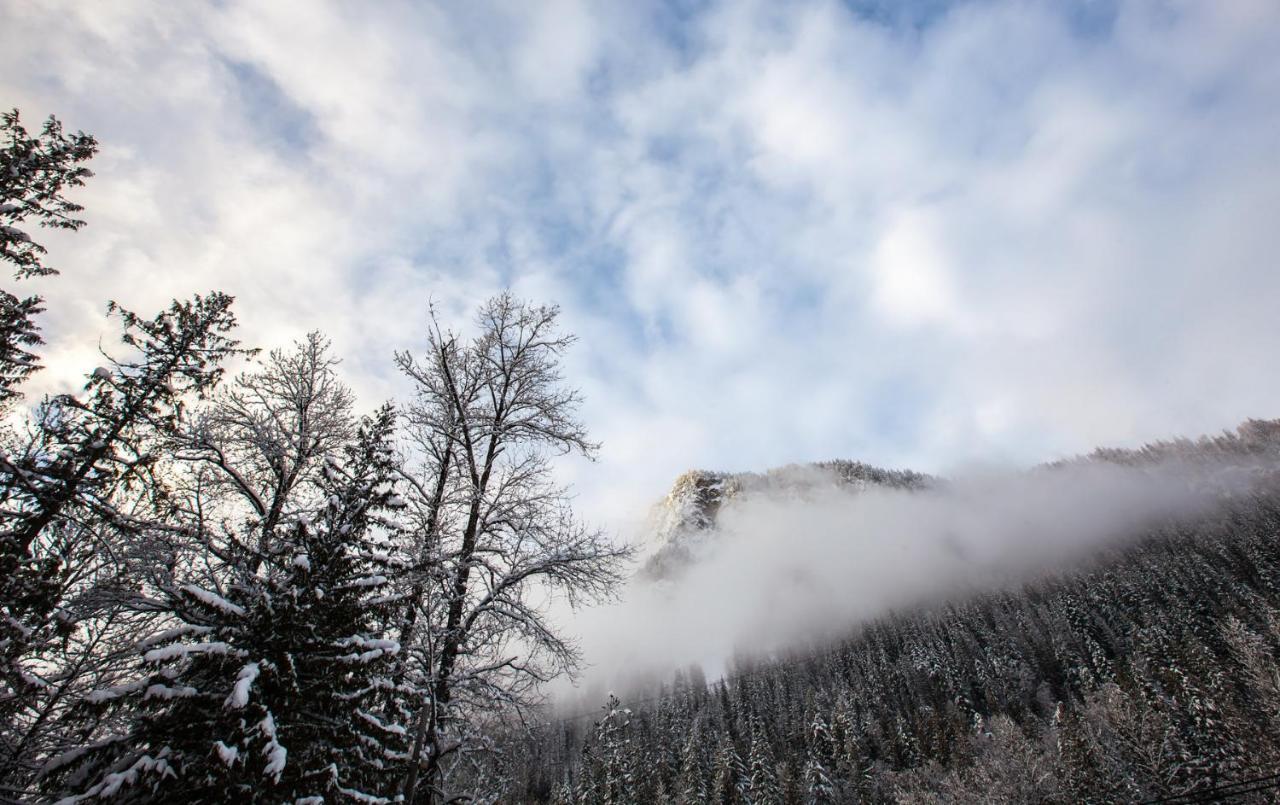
(221,581)
(1148,675)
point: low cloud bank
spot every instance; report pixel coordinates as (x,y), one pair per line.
(786,568)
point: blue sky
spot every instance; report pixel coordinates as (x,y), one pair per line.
(915,234)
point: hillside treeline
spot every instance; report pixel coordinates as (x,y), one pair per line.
(1151,674)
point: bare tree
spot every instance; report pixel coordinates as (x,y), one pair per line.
(495,536)
(255,453)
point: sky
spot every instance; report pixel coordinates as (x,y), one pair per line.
(915,234)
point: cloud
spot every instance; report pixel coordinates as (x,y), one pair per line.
(805,560)
(912,236)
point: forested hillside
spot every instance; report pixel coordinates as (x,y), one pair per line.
(1148,674)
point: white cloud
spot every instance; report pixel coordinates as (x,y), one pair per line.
(784,233)
(806,560)
(913,283)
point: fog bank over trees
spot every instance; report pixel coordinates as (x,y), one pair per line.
(804,556)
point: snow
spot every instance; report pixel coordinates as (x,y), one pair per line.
(394,729)
(368,581)
(183,649)
(302,561)
(276,754)
(172,634)
(240,694)
(212,599)
(72,755)
(391,646)
(361,796)
(377,647)
(227,753)
(112,783)
(165,692)
(114,692)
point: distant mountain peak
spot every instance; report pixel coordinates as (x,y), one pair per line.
(684,519)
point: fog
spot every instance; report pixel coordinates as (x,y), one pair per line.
(791,565)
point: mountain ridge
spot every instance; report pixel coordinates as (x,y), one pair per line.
(683,520)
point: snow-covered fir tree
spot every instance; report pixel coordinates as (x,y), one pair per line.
(35,171)
(269,687)
(81,486)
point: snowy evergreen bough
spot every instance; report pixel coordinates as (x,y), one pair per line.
(80,484)
(35,171)
(270,687)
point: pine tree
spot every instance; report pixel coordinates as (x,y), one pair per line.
(1083,776)
(34,172)
(692,780)
(268,687)
(819,752)
(81,499)
(763,788)
(730,780)
(611,769)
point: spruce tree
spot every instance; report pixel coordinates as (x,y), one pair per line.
(267,687)
(730,780)
(819,752)
(763,788)
(34,172)
(692,781)
(81,499)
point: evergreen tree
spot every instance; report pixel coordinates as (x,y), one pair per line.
(819,751)
(692,781)
(34,172)
(763,788)
(80,498)
(267,689)
(730,780)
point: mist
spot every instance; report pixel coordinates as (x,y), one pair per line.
(791,567)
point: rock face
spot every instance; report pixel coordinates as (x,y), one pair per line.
(684,522)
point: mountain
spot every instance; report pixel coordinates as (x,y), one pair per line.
(683,524)
(1145,674)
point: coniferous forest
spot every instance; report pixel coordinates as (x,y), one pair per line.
(1149,675)
(222,580)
